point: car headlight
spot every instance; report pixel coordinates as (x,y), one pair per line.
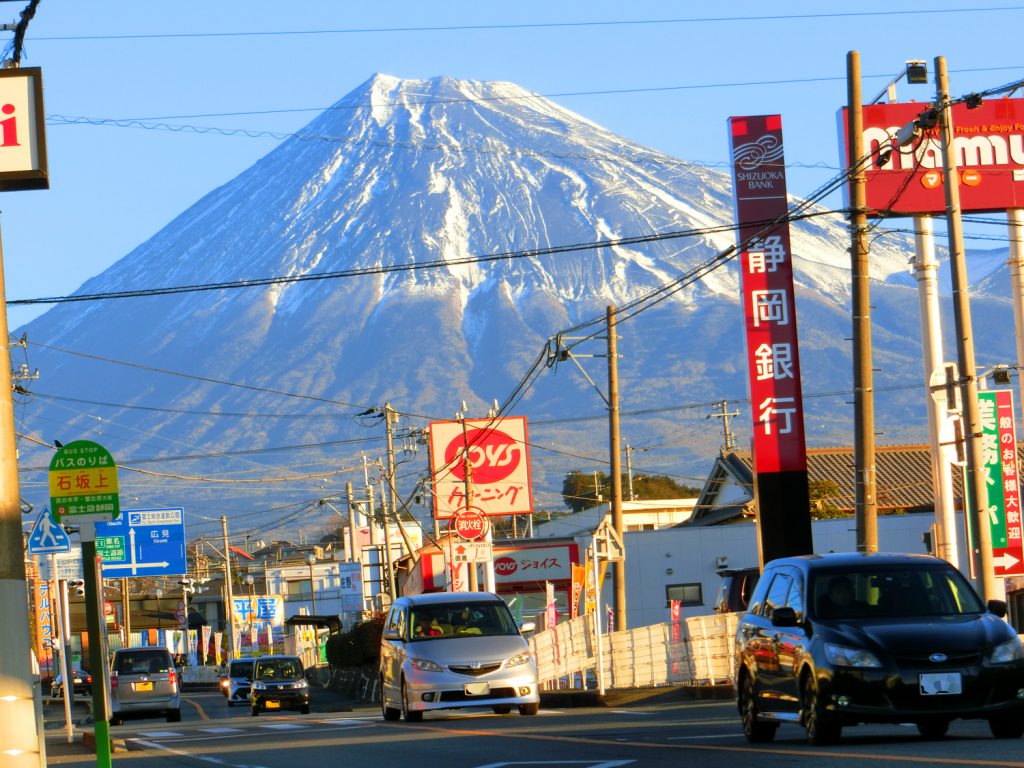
(302,684)
(844,656)
(1011,650)
(259,685)
(425,665)
(519,658)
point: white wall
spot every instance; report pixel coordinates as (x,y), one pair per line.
(692,554)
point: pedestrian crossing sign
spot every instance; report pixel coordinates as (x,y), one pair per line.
(47,536)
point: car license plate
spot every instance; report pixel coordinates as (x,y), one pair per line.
(940,683)
(477,689)
(144,686)
(273,705)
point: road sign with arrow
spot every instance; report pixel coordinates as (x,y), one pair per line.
(143,542)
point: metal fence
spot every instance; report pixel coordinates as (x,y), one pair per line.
(695,651)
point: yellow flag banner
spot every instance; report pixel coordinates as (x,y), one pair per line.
(578,578)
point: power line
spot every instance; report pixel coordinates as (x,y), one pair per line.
(528,25)
(386,269)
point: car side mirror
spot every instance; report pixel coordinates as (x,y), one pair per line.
(528,626)
(784,616)
(998,607)
(392,634)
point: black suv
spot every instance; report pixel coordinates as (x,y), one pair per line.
(839,639)
(279,682)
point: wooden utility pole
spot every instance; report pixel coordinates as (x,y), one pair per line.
(866,508)
(229,597)
(616,467)
(976,473)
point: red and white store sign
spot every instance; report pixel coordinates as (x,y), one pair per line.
(769,312)
(499,466)
(522,566)
(988,144)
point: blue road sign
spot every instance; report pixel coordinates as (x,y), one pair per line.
(143,542)
(47,536)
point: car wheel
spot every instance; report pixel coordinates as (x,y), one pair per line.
(757,732)
(528,710)
(174,716)
(934,728)
(388,713)
(411,716)
(255,711)
(304,709)
(116,720)
(231,703)
(820,728)
(1004,727)
(502,709)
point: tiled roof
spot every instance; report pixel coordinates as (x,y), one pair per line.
(903,474)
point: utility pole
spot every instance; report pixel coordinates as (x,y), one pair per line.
(629,471)
(863,379)
(18,726)
(351,524)
(229,598)
(722,412)
(388,411)
(984,569)
(616,467)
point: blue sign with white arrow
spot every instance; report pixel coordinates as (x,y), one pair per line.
(47,536)
(143,542)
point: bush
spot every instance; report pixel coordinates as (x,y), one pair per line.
(357,647)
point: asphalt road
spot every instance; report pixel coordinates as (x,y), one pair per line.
(696,734)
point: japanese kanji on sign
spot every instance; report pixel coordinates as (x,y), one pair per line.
(999,462)
(83,483)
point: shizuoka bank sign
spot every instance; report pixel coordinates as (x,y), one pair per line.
(988,143)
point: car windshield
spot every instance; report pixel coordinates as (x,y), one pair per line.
(279,669)
(241,669)
(892,593)
(461,619)
(142,662)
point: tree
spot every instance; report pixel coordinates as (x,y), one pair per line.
(579,492)
(823,495)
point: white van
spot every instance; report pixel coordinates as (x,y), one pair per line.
(450,650)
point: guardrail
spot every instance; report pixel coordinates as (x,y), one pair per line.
(695,651)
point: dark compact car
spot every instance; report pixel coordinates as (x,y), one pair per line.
(279,682)
(839,639)
(81,681)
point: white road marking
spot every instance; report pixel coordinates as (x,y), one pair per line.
(630,712)
(220,730)
(204,758)
(284,726)
(160,734)
(715,736)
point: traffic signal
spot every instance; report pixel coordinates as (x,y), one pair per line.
(78,585)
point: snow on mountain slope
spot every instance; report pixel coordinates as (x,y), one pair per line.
(430,174)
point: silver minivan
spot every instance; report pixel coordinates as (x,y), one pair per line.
(143,682)
(452,650)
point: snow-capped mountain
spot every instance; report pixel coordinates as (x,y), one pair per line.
(398,187)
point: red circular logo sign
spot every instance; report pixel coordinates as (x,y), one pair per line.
(108,608)
(470,524)
(493,455)
(505,566)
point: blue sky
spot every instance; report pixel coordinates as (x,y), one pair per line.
(665,74)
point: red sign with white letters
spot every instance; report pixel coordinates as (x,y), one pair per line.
(499,466)
(769,311)
(988,144)
(470,524)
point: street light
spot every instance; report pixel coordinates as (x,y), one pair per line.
(311,560)
(159,619)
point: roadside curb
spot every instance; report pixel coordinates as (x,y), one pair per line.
(89,742)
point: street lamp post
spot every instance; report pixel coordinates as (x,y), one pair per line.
(311,561)
(159,619)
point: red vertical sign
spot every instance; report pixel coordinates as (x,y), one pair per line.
(769,312)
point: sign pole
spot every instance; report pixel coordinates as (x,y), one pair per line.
(57,601)
(97,644)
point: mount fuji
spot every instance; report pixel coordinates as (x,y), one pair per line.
(255,401)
